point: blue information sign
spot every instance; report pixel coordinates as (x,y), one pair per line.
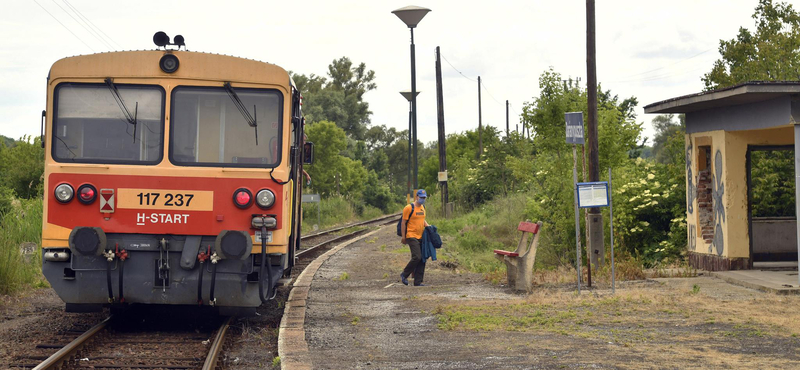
(592,194)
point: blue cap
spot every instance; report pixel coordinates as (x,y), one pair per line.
(421,193)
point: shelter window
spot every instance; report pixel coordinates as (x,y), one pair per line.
(705,199)
(208,130)
(90,126)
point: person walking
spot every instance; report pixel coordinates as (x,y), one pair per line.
(412,227)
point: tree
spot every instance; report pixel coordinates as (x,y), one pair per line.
(329,141)
(548,166)
(340,98)
(22,167)
(772,53)
(666,130)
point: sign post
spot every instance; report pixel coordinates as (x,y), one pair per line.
(598,194)
(574,130)
(314,198)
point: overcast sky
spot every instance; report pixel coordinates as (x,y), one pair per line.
(653,50)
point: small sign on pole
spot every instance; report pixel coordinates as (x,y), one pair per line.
(598,194)
(443,176)
(592,194)
(314,198)
(574,127)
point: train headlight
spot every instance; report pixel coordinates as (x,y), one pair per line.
(265,198)
(169,63)
(64,193)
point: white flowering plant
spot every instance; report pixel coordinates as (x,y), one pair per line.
(649,210)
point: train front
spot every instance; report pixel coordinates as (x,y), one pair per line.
(165,172)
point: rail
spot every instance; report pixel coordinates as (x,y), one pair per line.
(216,347)
(71,349)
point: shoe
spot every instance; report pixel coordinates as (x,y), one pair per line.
(404,279)
(420,284)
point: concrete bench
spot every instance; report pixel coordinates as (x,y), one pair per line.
(519,263)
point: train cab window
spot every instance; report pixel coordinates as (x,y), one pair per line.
(207,128)
(90,125)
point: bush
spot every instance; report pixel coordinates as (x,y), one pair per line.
(476,234)
(21,223)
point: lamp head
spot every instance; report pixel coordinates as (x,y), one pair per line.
(411,15)
(407,94)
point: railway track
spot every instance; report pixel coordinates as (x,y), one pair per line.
(138,341)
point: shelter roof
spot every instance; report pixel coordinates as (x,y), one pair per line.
(748,92)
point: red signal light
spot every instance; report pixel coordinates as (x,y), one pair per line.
(243,198)
(87,194)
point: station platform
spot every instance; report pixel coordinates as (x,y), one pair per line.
(349,310)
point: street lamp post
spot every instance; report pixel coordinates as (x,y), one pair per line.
(411,16)
(410,97)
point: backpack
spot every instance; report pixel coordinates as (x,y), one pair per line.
(399,222)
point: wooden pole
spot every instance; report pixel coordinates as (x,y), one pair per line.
(480,123)
(440,121)
(594,228)
(506,118)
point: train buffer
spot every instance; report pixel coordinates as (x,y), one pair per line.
(519,263)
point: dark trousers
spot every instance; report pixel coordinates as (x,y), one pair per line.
(416,265)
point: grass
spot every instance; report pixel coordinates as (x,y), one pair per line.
(343,276)
(336,210)
(636,316)
(470,238)
(22,222)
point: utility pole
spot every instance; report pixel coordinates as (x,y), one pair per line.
(480,123)
(506,118)
(594,228)
(440,121)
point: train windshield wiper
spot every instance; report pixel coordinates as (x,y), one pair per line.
(251,120)
(131,118)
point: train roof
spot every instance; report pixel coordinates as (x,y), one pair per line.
(145,64)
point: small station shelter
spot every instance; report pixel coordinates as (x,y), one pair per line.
(724,130)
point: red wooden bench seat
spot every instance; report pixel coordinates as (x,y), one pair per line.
(506,253)
(519,263)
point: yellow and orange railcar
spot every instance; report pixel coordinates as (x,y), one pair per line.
(170,176)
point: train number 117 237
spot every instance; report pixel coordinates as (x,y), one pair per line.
(164,199)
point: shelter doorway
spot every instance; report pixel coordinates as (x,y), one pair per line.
(771,203)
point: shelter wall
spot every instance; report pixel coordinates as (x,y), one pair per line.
(724,207)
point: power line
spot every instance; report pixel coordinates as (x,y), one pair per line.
(91,23)
(456,69)
(490,94)
(94,34)
(65,27)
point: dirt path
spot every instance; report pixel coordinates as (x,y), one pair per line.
(359,316)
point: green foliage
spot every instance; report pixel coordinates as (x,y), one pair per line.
(22,166)
(333,210)
(20,223)
(771,53)
(772,183)
(549,167)
(7,140)
(663,149)
(331,172)
(476,234)
(649,213)
(340,98)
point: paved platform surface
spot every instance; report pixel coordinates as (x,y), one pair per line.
(780,282)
